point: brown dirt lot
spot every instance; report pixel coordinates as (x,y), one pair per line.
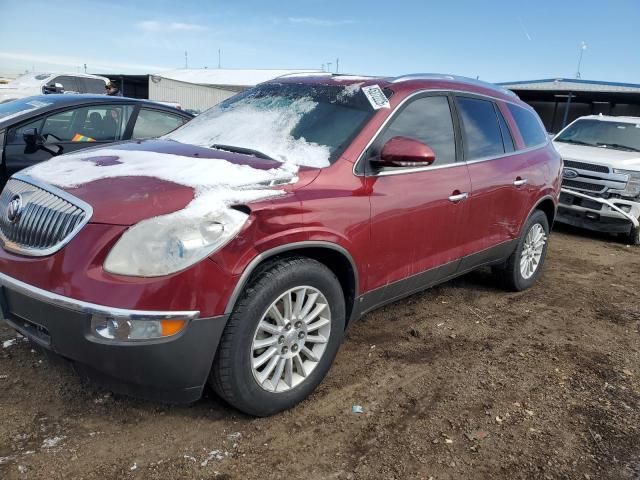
(462,381)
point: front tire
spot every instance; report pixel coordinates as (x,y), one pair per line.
(524,266)
(281,338)
(634,236)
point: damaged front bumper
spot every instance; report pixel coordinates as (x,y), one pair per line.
(173,370)
(598,214)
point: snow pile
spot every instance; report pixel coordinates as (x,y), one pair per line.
(8,343)
(217,183)
(349,91)
(52,442)
(264,124)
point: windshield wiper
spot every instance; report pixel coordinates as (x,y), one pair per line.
(245,151)
(619,147)
(575,142)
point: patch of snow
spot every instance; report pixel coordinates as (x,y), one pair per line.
(8,459)
(8,343)
(52,442)
(189,457)
(350,78)
(349,91)
(264,124)
(213,455)
(134,466)
(22,469)
(217,183)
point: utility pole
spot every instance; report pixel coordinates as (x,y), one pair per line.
(322,67)
(329,66)
(337,65)
(219,58)
(186,59)
(85,68)
(583,47)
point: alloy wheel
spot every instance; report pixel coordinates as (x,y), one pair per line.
(290,339)
(532,250)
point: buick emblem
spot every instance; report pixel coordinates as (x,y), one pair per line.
(568,173)
(15,209)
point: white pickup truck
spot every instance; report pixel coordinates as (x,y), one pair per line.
(601,177)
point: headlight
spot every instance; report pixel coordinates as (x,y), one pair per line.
(170,243)
(633,184)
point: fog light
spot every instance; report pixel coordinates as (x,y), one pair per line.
(125,329)
(624,208)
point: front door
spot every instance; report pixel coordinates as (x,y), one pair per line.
(417,213)
(65,132)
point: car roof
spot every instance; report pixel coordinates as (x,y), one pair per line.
(56,101)
(406,83)
(611,118)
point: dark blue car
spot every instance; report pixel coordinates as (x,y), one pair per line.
(34,129)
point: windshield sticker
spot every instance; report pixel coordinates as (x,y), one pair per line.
(376,97)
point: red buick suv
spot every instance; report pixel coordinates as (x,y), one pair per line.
(237,249)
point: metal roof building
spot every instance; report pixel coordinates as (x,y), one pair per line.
(199,89)
(559,101)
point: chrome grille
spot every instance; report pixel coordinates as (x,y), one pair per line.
(586,166)
(42,218)
(592,187)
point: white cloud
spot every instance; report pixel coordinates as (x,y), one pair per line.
(158,26)
(319,22)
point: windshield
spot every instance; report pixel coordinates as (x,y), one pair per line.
(604,134)
(18,107)
(304,124)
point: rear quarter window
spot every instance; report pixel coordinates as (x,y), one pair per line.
(529,125)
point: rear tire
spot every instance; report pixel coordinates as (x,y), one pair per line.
(634,236)
(273,352)
(524,266)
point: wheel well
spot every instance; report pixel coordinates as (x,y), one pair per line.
(549,209)
(334,260)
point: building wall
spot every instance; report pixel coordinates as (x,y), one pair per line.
(190,96)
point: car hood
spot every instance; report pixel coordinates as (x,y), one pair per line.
(130,182)
(599,155)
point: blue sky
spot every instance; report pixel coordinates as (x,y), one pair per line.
(497,40)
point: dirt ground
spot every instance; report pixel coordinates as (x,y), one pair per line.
(462,381)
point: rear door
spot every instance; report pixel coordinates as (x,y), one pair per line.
(498,174)
(417,214)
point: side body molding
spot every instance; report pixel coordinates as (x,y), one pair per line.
(290,247)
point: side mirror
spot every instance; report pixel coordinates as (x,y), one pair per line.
(406,152)
(30,136)
(53,88)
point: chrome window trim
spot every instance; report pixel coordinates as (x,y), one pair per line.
(36,252)
(401,171)
(90,308)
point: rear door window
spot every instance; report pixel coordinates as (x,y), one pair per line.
(529,125)
(427,119)
(481,128)
(154,123)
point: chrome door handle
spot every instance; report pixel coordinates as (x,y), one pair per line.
(458,197)
(518,182)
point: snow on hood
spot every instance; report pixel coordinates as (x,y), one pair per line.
(603,156)
(217,183)
(262,124)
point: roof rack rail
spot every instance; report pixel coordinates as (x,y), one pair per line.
(453,78)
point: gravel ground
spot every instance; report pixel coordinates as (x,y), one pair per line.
(462,381)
